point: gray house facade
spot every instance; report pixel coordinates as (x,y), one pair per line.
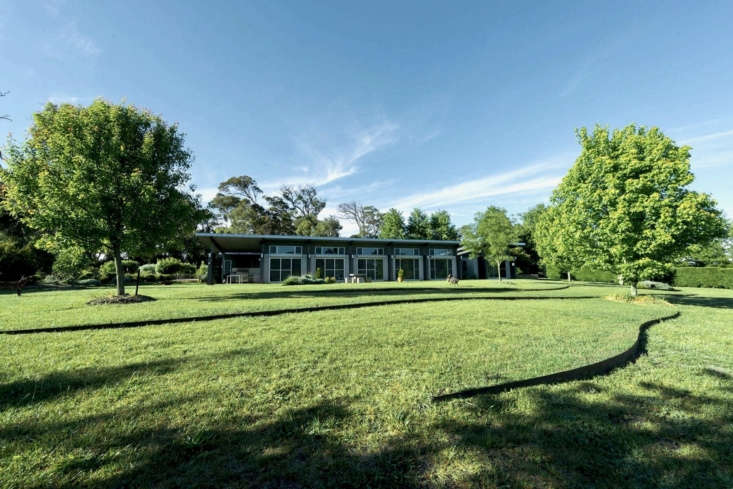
(273,258)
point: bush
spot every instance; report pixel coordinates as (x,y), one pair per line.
(72,264)
(147,268)
(168,266)
(588,275)
(319,273)
(330,280)
(202,272)
(715,277)
(107,270)
(303,280)
(187,270)
(88,282)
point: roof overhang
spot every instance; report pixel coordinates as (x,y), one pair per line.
(229,243)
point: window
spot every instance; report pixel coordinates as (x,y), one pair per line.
(440,268)
(370,268)
(286,250)
(441,252)
(410,266)
(282,268)
(370,251)
(331,267)
(407,251)
(330,250)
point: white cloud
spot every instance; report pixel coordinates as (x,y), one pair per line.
(707,137)
(512,182)
(70,41)
(327,166)
(337,192)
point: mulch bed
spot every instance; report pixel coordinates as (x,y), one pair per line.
(120,299)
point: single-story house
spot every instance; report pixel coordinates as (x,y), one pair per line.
(272,258)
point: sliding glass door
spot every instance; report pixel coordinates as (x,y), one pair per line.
(282,268)
(410,267)
(331,267)
(371,268)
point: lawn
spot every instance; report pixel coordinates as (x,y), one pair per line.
(342,398)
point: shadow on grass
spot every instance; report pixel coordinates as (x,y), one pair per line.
(570,438)
(699,300)
(56,384)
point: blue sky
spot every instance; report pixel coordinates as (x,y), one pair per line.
(446,105)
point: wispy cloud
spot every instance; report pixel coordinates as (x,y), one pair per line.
(535,177)
(337,192)
(325,166)
(708,137)
(70,41)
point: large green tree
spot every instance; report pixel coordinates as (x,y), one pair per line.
(491,235)
(393,225)
(441,226)
(418,225)
(526,255)
(106,177)
(625,205)
(367,218)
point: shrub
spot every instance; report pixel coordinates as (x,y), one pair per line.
(715,277)
(168,266)
(187,269)
(147,268)
(319,273)
(72,264)
(88,282)
(107,269)
(202,272)
(400,274)
(330,280)
(589,275)
(303,280)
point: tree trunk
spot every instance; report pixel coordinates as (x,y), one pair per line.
(120,271)
(137,283)
(498,269)
(569,277)
(634,290)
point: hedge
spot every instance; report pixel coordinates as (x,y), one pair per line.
(704,277)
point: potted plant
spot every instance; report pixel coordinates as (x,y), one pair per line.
(400,275)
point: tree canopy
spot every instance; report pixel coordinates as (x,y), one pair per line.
(491,235)
(367,218)
(106,177)
(393,225)
(625,206)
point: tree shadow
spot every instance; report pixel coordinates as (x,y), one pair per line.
(357,292)
(702,301)
(56,384)
(576,436)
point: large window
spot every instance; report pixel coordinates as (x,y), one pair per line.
(286,250)
(371,268)
(330,250)
(440,268)
(410,266)
(407,251)
(441,252)
(282,268)
(331,267)
(370,251)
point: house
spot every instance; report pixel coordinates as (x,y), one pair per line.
(271,258)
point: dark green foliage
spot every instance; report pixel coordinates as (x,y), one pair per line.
(589,275)
(16,261)
(716,277)
(107,270)
(168,266)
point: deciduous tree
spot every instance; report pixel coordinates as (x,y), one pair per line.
(393,225)
(625,205)
(492,235)
(103,177)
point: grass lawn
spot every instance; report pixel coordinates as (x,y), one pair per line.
(343,398)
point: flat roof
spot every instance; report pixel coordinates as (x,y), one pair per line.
(243,242)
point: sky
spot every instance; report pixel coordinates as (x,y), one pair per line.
(437,105)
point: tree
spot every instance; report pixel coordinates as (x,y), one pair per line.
(491,235)
(526,256)
(393,225)
(441,226)
(367,218)
(103,177)
(237,204)
(625,207)
(555,248)
(418,225)
(329,227)
(716,253)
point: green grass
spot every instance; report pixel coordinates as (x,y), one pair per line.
(343,398)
